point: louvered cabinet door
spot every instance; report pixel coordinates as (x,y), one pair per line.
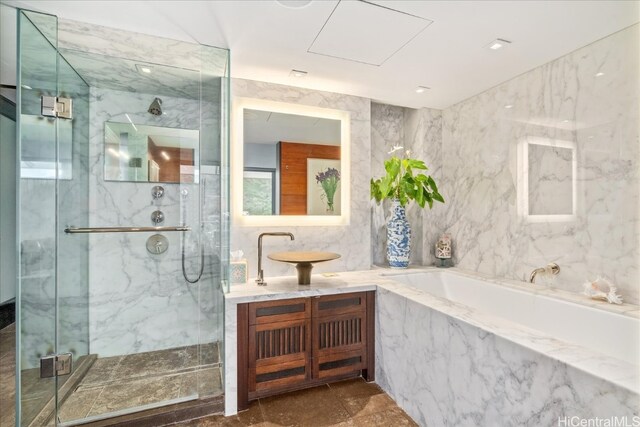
(279,351)
(339,334)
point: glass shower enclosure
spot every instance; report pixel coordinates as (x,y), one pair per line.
(122,220)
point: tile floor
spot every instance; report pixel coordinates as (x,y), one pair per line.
(346,403)
(115,383)
(7,375)
(112,383)
(123,382)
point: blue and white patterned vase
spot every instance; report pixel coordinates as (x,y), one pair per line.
(398,237)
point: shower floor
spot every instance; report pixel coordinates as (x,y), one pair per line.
(120,384)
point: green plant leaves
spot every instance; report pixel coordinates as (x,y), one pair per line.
(400,183)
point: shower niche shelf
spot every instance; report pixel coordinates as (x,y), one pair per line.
(292,344)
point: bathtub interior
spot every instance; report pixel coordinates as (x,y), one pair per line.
(605,332)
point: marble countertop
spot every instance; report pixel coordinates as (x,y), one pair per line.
(321,284)
(381,279)
(283,287)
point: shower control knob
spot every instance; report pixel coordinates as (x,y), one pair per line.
(157,244)
(157,192)
(157,217)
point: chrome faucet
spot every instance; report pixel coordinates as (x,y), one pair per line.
(552,268)
(260,280)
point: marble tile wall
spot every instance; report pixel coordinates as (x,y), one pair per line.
(140,301)
(350,241)
(447,372)
(588,98)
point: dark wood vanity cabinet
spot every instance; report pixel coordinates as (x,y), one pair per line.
(291,344)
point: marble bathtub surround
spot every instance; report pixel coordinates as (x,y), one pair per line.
(581,137)
(578,366)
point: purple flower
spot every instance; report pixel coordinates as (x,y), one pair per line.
(329,173)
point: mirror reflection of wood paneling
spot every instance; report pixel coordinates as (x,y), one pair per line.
(170,160)
(293,173)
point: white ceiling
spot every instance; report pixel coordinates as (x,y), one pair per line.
(450,56)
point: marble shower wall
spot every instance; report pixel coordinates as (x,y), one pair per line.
(351,241)
(566,100)
(140,301)
(420,132)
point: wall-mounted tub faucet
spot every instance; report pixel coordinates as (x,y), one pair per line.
(551,268)
(260,280)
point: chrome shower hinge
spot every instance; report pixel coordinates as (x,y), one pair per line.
(55,365)
(55,106)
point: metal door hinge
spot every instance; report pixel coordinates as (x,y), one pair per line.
(55,365)
(55,106)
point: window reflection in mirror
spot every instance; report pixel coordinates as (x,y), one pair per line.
(143,153)
(291,164)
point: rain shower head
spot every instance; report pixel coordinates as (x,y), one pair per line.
(156,107)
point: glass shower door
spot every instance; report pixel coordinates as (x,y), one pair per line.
(53,190)
(36,297)
(143,326)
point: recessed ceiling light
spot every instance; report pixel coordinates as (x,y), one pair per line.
(297,73)
(498,44)
(565,121)
(143,69)
(599,74)
(421,89)
(508,106)
(294,4)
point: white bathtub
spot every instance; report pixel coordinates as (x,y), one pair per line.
(454,349)
(612,334)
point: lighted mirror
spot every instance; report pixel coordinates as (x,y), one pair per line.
(143,153)
(290,164)
(547,179)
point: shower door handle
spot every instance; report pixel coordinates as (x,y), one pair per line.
(89,230)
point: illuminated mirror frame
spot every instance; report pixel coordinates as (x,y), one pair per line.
(237,164)
(523,179)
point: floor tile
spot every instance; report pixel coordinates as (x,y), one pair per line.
(157,362)
(130,394)
(79,404)
(101,372)
(393,417)
(210,353)
(252,416)
(312,407)
(356,387)
(7,342)
(361,406)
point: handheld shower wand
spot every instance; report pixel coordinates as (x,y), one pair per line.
(185,195)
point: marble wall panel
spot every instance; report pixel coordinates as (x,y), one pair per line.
(141,301)
(588,98)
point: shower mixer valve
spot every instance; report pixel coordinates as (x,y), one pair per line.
(157,217)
